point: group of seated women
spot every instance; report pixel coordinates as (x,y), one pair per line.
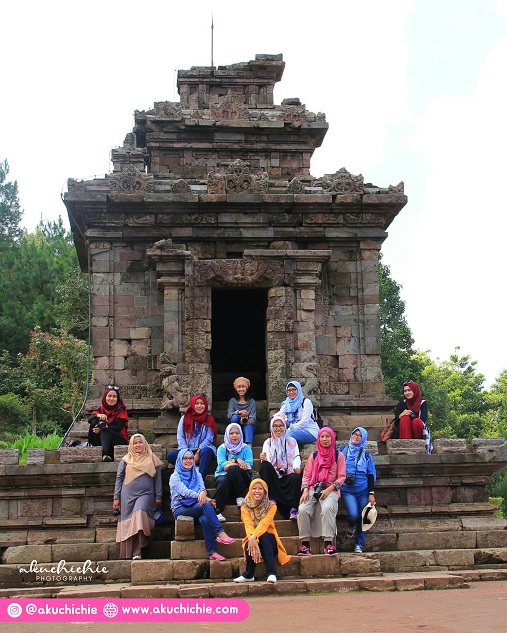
(309,496)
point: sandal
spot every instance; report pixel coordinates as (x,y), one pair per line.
(216,556)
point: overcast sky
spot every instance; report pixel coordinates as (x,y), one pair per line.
(413,90)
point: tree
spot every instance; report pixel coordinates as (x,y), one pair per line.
(10,210)
(399,360)
(31,273)
(54,375)
(497,415)
(458,404)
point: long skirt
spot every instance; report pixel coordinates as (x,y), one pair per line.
(137,504)
(285,490)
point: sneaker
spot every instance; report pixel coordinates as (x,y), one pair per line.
(226,540)
(106,458)
(330,550)
(221,517)
(239,501)
(137,557)
(351,531)
(243,579)
(216,556)
(304,551)
(358,549)
(271,578)
(293,516)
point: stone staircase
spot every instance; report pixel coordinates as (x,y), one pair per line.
(435,528)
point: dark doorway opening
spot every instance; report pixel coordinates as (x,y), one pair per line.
(238,340)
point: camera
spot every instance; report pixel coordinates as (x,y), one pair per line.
(350,479)
(281,472)
(318,490)
(116,513)
(243,421)
(102,424)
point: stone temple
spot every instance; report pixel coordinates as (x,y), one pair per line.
(214,252)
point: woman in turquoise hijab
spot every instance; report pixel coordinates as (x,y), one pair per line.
(358,489)
(301,424)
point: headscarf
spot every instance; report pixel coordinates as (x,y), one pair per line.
(241,381)
(414,403)
(257,508)
(324,459)
(118,411)
(233,448)
(189,477)
(139,463)
(282,449)
(293,404)
(354,450)
(191,416)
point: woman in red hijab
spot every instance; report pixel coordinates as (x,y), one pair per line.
(109,423)
(197,432)
(411,415)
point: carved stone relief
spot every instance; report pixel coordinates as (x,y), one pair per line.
(342,182)
(131,180)
(238,272)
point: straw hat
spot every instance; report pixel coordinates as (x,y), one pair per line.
(369,516)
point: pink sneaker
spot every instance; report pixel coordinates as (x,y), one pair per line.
(226,540)
(216,556)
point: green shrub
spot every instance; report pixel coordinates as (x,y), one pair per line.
(29,440)
(15,415)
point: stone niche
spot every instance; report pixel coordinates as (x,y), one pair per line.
(214,253)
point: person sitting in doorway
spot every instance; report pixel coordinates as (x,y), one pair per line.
(243,409)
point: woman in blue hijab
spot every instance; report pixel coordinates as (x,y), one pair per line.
(301,424)
(189,498)
(358,489)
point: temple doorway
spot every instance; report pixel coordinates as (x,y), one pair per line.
(238,340)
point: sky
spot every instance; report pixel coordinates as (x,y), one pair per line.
(413,91)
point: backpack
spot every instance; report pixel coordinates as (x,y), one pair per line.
(315,416)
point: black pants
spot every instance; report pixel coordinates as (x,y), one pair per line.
(233,484)
(269,550)
(286,490)
(108,439)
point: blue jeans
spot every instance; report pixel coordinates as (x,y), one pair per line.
(269,549)
(248,429)
(302,436)
(208,519)
(354,504)
(206,454)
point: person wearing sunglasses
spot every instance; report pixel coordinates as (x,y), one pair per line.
(301,423)
(197,432)
(109,423)
(281,468)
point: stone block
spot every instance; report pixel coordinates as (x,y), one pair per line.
(377,584)
(145,572)
(409,584)
(392,562)
(486,445)
(444,581)
(229,590)
(437,540)
(454,557)
(195,591)
(184,528)
(117,570)
(336,585)
(9,539)
(152,591)
(449,446)
(359,564)
(497,538)
(221,569)
(489,523)
(189,569)
(50,537)
(75,454)
(491,556)
(290,586)
(319,566)
(9,456)
(36,456)
(25,554)
(71,552)
(405,447)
